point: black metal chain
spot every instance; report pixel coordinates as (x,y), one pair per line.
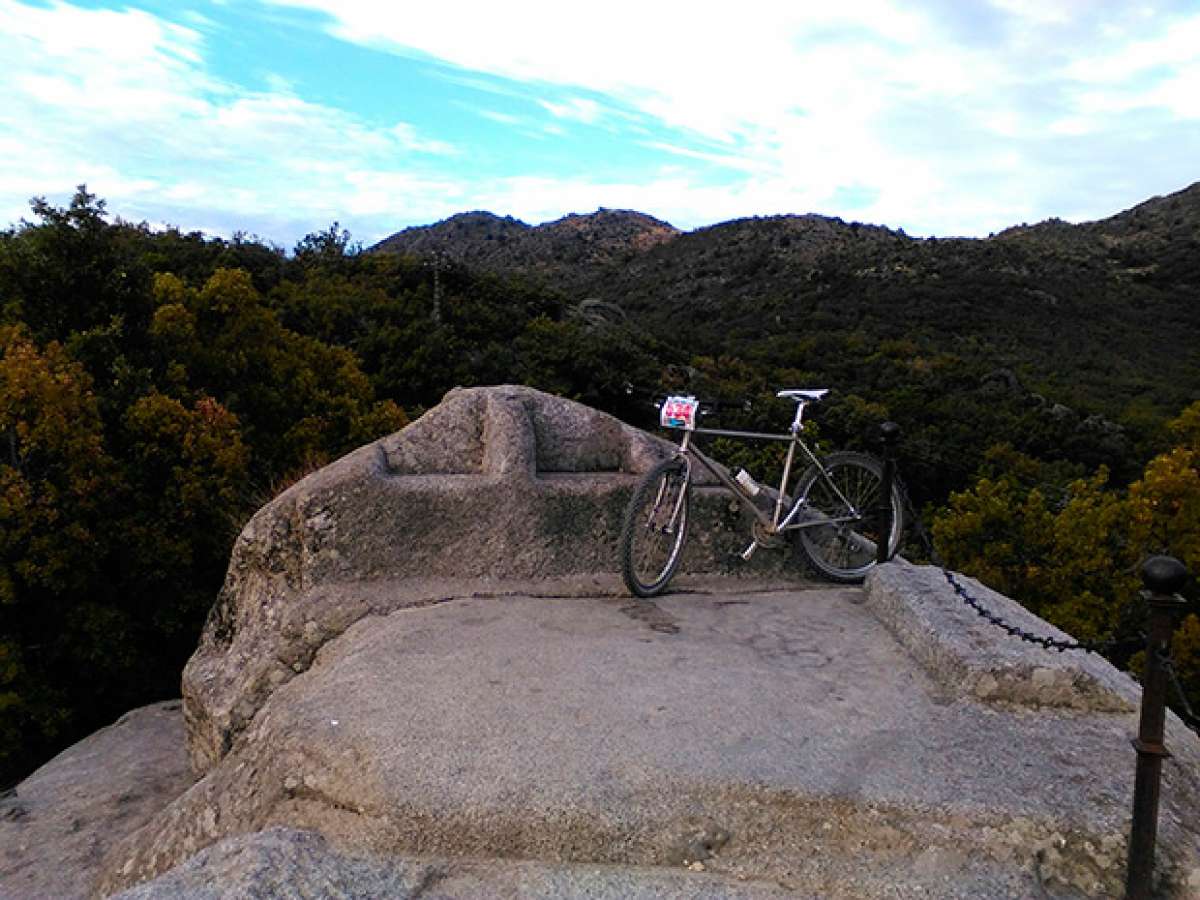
(1184,709)
(1044,641)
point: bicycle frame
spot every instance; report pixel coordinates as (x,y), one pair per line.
(837,500)
(776,523)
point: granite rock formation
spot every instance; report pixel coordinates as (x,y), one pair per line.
(423,679)
(494,486)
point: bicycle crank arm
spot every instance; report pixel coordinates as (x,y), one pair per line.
(749,551)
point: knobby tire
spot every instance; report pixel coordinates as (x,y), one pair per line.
(651,543)
(844,552)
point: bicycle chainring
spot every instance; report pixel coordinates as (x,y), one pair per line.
(772,541)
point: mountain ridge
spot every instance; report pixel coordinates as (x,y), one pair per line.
(1082,311)
(465,235)
(484,239)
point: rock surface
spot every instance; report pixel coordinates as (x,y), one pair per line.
(782,736)
(62,819)
(284,864)
(957,646)
(490,487)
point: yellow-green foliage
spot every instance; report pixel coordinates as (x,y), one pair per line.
(297,398)
(54,471)
(1164,506)
(1076,561)
(55,481)
(142,414)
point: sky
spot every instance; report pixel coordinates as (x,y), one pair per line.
(276,118)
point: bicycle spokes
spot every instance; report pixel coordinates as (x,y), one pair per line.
(655,528)
(842,534)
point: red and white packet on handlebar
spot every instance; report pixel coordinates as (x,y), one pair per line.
(679,412)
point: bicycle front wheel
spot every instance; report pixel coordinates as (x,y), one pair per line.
(655,527)
(841,533)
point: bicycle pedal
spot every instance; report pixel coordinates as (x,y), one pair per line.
(749,551)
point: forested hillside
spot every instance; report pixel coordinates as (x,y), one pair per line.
(1075,343)
(156,387)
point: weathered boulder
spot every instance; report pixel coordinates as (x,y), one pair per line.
(492,486)
(958,649)
(974,661)
(58,823)
(779,736)
(285,864)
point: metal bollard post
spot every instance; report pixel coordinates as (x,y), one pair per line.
(1162,576)
(889,432)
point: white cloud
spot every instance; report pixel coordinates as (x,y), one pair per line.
(1180,93)
(708,68)
(410,139)
(503,118)
(724,159)
(1123,59)
(809,97)
(1039,12)
(1030,108)
(578,109)
(122,101)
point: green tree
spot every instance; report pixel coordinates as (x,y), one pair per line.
(322,248)
(56,481)
(55,472)
(70,270)
(185,473)
(297,399)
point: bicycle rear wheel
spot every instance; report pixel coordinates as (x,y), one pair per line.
(655,528)
(844,549)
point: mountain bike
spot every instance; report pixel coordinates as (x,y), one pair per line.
(836,513)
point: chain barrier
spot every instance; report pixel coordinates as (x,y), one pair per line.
(1184,710)
(1044,641)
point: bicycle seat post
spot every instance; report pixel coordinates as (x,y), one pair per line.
(798,422)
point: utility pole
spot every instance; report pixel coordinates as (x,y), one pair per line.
(439,258)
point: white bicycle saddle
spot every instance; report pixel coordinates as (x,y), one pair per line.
(803,394)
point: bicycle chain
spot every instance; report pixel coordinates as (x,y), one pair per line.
(1044,641)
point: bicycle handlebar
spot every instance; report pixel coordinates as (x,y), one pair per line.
(709,406)
(656,399)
